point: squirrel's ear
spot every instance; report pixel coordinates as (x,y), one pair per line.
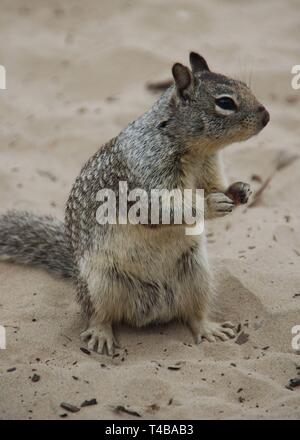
(198,63)
(183,79)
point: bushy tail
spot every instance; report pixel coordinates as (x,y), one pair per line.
(36,241)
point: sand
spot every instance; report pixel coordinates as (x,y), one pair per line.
(76,75)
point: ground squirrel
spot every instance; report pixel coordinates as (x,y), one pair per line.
(140,274)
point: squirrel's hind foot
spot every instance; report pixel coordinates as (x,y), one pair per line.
(100,339)
(210,330)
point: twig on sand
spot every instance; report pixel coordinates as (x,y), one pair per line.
(121,408)
(159,86)
(283,160)
(69,407)
(293,383)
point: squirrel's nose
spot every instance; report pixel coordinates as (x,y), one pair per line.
(265,116)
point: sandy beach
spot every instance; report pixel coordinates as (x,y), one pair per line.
(76,76)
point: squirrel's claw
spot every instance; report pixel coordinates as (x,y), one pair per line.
(211,330)
(100,339)
(218,205)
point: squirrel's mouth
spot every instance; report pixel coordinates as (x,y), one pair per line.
(265,116)
(263,119)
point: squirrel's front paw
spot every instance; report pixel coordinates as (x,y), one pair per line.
(218,205)
(239,193)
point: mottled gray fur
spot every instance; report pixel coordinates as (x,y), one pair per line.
(36,240)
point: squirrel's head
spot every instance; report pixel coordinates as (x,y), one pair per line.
(212,109)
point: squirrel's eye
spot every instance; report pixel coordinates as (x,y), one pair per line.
(226,103)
